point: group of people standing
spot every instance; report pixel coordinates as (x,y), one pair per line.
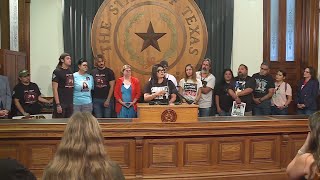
(263,95)
(99,93)
(84,92)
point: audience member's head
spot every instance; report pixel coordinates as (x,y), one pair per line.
(156,69)
(264,68)
(242,71)
(83,65)
(11,169)
(281,75)
(65,59)
(309,72)
(190,73)
(206,66)
(227,76)
(99,61)
(81,154)
(165,65)
(126,70)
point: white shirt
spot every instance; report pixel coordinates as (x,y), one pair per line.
(206,99)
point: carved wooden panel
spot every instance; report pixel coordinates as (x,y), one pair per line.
(231,151)
(39,155)
(264,152)
(9,150)
(197,153)
(120,151)
(162,153)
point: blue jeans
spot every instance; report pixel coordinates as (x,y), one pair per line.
(100,111)
(277,111)
(224,113)
(305,111)
(82,108)
(204,112)
(263,108)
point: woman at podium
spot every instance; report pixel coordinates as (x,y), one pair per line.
(159,90)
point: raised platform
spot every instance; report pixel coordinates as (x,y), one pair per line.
(214,148)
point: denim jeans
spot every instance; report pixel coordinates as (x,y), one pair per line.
(204,112)
(100,111)
(224,113)
(277,111)
(82,108)
(305,111)
(264,108)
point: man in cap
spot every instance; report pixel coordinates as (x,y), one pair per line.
(26,95)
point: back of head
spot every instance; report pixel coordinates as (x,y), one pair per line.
(11,169)
(81,153)
(314,124)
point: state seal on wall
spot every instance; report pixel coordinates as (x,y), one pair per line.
(142,33)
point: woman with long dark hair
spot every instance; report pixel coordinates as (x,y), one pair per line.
(223,99)
(307,92)
(159,89)
(81,153)
(307,161)
(189,86)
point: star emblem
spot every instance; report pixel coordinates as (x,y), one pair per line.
(150,38)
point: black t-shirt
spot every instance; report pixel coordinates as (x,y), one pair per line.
(101,82)
(263,84)
(241,84)
(225,100)
(64,78)
(167,85)
(28,97)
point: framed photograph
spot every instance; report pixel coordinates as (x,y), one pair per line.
(238,109)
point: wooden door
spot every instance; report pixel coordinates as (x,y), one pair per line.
(305,44)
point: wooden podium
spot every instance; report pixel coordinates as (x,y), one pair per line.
(167,113)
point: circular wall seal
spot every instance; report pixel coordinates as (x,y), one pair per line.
(142,33)
(168,115)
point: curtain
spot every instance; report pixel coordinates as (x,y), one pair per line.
(78,16)
(218,15)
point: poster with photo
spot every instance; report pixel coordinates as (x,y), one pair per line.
(238,109)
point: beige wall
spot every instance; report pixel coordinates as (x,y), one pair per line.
(247,35)
(46,41)
(47,38)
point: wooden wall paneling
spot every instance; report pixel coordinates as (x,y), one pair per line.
(24,29)
(123,152)
(265,152)
(5,24)
(266,29)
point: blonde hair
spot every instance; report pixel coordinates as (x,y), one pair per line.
(124,67)
(81,154)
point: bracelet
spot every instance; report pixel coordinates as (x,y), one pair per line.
(300,152)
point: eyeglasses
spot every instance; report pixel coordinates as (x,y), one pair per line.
(160,70)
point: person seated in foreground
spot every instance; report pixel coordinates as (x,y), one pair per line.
(307,162)
(159,89)
(81,153)
(11,169)
(27,96)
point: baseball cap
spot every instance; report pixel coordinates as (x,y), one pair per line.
(24,73)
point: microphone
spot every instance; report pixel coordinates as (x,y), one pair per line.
(182,97)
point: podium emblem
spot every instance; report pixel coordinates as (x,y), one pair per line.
(169,115)
(142,33)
